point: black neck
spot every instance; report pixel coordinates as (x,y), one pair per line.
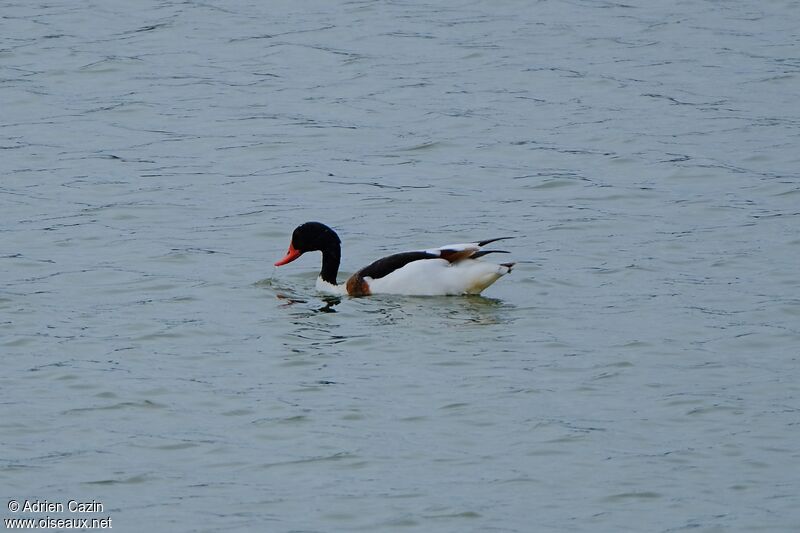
(331,256)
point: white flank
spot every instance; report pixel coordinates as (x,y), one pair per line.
(438,277)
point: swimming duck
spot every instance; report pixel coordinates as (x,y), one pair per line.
(449,270)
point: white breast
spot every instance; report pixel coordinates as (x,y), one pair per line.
(330,288)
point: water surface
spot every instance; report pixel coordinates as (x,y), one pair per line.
(636,372)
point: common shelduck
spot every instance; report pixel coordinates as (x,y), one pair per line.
(449,270)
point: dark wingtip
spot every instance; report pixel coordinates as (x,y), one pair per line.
(487,241)
(510,266)
(484,252)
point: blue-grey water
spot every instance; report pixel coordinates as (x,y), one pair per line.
(638,371)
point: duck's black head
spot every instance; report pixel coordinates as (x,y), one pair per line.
(310,237)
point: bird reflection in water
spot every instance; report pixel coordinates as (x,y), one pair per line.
(330,302)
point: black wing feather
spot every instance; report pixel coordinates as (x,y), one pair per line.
(484,252)
(387,265)
(487,241)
